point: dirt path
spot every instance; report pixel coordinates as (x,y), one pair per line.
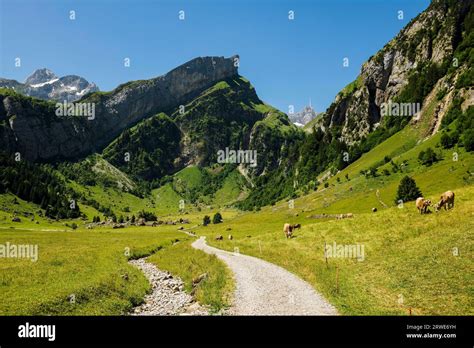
(377,193)
(263,288)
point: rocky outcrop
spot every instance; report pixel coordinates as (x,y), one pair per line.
(429,38)
(32,128)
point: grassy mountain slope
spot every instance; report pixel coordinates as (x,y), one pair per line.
(147,150)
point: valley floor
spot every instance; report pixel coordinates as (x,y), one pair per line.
(411,263)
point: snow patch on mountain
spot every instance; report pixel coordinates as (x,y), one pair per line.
(44,83)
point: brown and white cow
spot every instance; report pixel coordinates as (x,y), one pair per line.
(446,200)
(288,230)
(422,205)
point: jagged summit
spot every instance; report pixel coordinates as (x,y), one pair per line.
(44,84)
(303,117)
(40,76)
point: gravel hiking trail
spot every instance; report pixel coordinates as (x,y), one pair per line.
(263,288)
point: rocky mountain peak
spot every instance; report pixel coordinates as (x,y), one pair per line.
(40,76)
(44,84)
(303,117)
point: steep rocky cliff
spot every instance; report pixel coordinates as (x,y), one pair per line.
(427,43)
(33,129)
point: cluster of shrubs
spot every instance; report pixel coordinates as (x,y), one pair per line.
(120,220)
(428,157)
(217,219)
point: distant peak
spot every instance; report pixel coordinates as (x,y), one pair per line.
(304,116)
(40,76)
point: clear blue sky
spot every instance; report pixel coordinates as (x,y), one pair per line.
(288,62)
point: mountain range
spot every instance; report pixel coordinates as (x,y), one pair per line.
(44,84)
(149,130)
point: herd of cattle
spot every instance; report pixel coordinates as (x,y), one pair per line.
(446,201)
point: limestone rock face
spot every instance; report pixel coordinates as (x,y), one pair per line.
(32,128)
(430,37)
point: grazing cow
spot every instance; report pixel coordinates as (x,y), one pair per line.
(288,230)
(422,205)
(374,210)
(447,200)
(344,216)
(219,237)
(295,226)
(230,237)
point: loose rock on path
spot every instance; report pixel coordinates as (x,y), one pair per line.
(168,296)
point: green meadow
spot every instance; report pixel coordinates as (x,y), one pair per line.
(85,272)
(425,260)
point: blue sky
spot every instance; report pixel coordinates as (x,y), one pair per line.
(287,61)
